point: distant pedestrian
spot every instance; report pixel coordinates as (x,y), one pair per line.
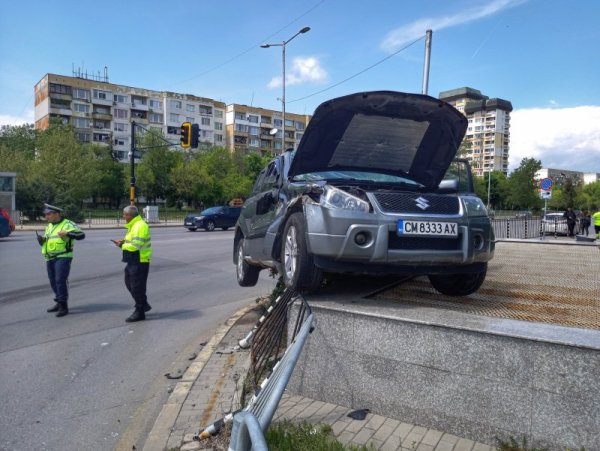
(137,250)
(571,218)
(584,222)
(57,249)
(596,219)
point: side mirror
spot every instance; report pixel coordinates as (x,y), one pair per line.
(448,186)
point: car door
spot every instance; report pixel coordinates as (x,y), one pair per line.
(261,208)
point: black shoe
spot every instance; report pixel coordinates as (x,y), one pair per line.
(147,307)
(136,316)
(63,309)
(53,309)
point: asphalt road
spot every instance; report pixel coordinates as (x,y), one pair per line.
(90,380)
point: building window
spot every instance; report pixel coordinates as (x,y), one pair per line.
(252,118)
(81,94)
(175,104)
(190,108)
(120,98)
(119,142)
(218,125)
(277,122)
(299,126)
(254,131)
(173,117)
(83,137)
(173,130)
(241,128)
(218,138)
(191,120)
(100,137)
(60,89)
(254,142)
(120,114)
(218,114)
(79,122)
(205,110)
(101,124)
(120,127)
(240,116)
(102,95)
(155,104)
(205,121)
(81,107)
(155,118)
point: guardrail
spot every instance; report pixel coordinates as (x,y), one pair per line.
(250,425)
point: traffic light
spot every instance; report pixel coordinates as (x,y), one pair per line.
(195,135)
(186,135)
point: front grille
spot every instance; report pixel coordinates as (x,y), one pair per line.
(423,243)
(407,203)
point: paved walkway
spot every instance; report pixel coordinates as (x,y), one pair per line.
(211,388)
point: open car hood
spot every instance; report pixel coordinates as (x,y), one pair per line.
(409,135)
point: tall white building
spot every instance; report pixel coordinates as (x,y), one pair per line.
(488,132)
(102,112)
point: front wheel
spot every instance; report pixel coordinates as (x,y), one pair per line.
(210,226)
(192,229)
(247,275)
(299,270)
(458,284)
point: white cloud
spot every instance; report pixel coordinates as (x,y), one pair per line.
(561,138)
(6,119)
(406,33)
(303,70)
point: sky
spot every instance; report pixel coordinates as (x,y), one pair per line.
(541,55)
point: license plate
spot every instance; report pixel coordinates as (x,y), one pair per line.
(406,227)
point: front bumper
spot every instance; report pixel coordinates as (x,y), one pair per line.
(332,239)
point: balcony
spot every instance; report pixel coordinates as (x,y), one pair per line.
(139,105)
(60,111)
(101,116)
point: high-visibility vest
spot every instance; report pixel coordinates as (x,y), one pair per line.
(56,247)
(596,218)
(137,238)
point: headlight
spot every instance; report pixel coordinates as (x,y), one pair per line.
(198,218)
(474,206)
(336,198)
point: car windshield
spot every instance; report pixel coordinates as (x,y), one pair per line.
(554,216)
(210,211)
(355,176)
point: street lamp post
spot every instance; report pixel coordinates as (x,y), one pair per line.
(282,45)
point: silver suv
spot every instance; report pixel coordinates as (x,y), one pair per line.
(373,188)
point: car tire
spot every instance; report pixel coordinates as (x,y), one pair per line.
(458,284)
(210,226)
(224,228)
(298,266)
(192,229)
(247,275)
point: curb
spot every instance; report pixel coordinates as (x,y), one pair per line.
(159,435)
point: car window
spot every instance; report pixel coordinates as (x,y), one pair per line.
(271,176)
(211,211)
(259,181)
(459,171)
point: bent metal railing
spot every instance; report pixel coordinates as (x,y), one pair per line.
(250,425)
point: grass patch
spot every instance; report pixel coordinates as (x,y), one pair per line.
(288,436)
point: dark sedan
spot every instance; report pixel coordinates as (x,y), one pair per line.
(221,217)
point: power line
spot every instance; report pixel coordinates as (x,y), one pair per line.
(358,73)
(253,47)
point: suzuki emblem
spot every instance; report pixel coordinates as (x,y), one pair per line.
(422,203)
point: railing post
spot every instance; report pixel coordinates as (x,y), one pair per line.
(526,221)
(508,228)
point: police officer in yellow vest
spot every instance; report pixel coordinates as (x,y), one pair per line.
(57,248)
(137,250)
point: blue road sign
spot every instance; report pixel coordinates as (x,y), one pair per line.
(546,184)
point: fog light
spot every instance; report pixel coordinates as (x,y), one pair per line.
(478,242)
(361,238)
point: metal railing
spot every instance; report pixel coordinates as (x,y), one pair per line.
(250,424)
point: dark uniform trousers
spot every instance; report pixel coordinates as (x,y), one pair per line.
(58,274)
(136,276)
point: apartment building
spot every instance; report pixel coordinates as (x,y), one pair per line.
(102,112)
(560,175)
(253,129)
(488,133)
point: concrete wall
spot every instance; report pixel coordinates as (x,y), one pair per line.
(475,377)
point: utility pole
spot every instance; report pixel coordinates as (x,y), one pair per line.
(427,58)
(132,164)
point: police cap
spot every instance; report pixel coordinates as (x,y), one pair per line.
(51,209)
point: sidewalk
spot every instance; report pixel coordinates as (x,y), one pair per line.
(211,388)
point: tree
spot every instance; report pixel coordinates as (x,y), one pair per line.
(153,171)
(522,189)
(498,188)
(111,177)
